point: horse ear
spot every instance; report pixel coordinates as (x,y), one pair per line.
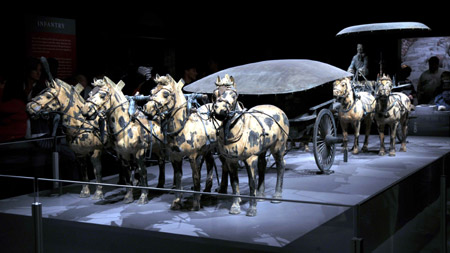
(109,81)
(170,78)
(218,80)
(179,85)
(157,76)
(232,81)
(50,84)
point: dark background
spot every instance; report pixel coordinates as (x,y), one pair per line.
(169,36)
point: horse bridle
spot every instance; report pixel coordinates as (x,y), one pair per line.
(159,106)
(231,107)
(96,107)
(55,97)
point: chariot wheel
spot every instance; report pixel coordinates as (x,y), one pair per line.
(324,140)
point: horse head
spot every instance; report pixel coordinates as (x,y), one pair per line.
(52,99)
(98,100)
(164,97)
(342,87)
(224,97)
(384,87)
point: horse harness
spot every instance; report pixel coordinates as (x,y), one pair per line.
(235,115)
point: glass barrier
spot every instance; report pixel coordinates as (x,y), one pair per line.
(67,220)
(40,213)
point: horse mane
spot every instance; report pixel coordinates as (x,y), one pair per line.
(70,89)
(116,87)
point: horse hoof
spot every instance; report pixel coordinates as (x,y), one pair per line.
(364,150)
(98,196)
(276,197)
(251,212)
(128,200)
(391,153)
(260,195)
(381,153)
(85,192)
(85,195)
(195,208)
(235,209)
(223,190)
(402,149)
(175,206)
(142,200)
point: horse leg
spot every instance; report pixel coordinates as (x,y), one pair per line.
(97,164)
(81,163)
(262,164)
(393,127)
(195,164)
(235,207)
(281,165)
(381,134)
(143,199)
(162,171)
(357,127)
(209,160)
(225,171)
(344,134)
(128,181)
(368,126)
(177,174)
(251,164)
(404,123)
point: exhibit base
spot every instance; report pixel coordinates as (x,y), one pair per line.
(378,203)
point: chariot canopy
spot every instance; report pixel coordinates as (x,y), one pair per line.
(390,26)
(273,77)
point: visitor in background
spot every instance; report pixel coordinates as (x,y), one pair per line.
(429,81)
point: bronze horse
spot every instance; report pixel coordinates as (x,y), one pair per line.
(392,108)
(247,135)
(354,109)
(83,136)
(131,135)
(186,134)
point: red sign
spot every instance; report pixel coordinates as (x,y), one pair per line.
(54,38)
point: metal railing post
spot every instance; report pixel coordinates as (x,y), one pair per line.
(357,241)
(36,213)
(443,200)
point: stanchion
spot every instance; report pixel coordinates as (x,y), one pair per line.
(357,241)
(443,200)
(55,154)
(55,168)
(36,212)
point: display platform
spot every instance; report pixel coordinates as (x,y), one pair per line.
(325,222)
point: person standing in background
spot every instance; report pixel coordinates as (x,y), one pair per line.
(429,81)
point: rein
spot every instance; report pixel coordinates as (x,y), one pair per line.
(396,99)
(64,113)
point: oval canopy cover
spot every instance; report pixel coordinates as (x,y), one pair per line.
(407,26)
(273,77)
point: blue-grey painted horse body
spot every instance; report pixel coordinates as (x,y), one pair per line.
(131,135)
(246,135)
(82,136)
(392,108)
(186,134)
